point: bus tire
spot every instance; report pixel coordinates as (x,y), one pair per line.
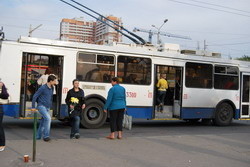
(93,116)
(223,114)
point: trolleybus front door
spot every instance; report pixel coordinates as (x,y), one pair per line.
(33,66)
(245,96)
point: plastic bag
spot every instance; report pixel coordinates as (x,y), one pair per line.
(127,122)
(4,101)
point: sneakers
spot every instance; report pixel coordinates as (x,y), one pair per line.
(47,139)
(75,136)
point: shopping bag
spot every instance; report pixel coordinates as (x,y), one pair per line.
(4,101)
(127,122)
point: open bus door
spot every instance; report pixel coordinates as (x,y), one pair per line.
(33,66)
(245,96)
(173,98)
(178,93)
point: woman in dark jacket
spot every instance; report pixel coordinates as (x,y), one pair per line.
(76,103)
(116,105)
(3,96)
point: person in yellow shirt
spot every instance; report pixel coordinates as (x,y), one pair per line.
(162,86)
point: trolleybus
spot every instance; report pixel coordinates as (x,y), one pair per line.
(200,87)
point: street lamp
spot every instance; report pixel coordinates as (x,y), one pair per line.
(31,30)
(158,31)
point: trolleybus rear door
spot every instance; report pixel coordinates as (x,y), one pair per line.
(245,96)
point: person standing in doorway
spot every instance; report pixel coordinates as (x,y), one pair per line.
(116,105)
(3,100)
(76,103)
(43,80)
(43,97)
(162,86)
(177,88)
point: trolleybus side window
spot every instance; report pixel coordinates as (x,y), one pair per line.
(134,70)
(198,75)
(226,77)
(95,67)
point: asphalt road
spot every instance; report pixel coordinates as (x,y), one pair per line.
(148,144)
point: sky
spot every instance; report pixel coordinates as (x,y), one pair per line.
(223,24)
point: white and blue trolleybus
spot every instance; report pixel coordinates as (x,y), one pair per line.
(202,86)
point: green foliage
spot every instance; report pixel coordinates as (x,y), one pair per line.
(244,58)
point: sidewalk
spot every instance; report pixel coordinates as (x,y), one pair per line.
(154,151)
(61,152)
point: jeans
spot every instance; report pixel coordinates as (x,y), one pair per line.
(75,125)
(45,122)
(2,135)
(161,98)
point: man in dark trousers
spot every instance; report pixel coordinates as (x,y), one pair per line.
(76,103)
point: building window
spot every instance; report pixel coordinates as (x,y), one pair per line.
(198,75)
(134,70)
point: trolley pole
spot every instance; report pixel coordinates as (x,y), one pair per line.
(34,137)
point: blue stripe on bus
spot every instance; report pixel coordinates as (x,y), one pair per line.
(64,111)
(237,114)
(135,112)
(145,112)
(11,110)
(192,113)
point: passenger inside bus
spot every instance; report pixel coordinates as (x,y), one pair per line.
(107,77)
(230,84)
(132,79)
(162,86)
(94,75)
(31,87)
(43,79)
(192,79)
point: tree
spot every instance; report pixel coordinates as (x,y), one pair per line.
(244,58)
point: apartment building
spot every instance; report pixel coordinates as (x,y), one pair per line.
(105,34)
(79,30)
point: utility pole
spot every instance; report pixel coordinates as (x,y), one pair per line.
(198,45)
(31,30)
(205,45)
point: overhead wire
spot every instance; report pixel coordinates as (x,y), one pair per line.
(181,2)
(23,27)
(101,20)
(221,6)
(241,43)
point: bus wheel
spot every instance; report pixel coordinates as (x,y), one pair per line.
(93,115)
(223,114)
